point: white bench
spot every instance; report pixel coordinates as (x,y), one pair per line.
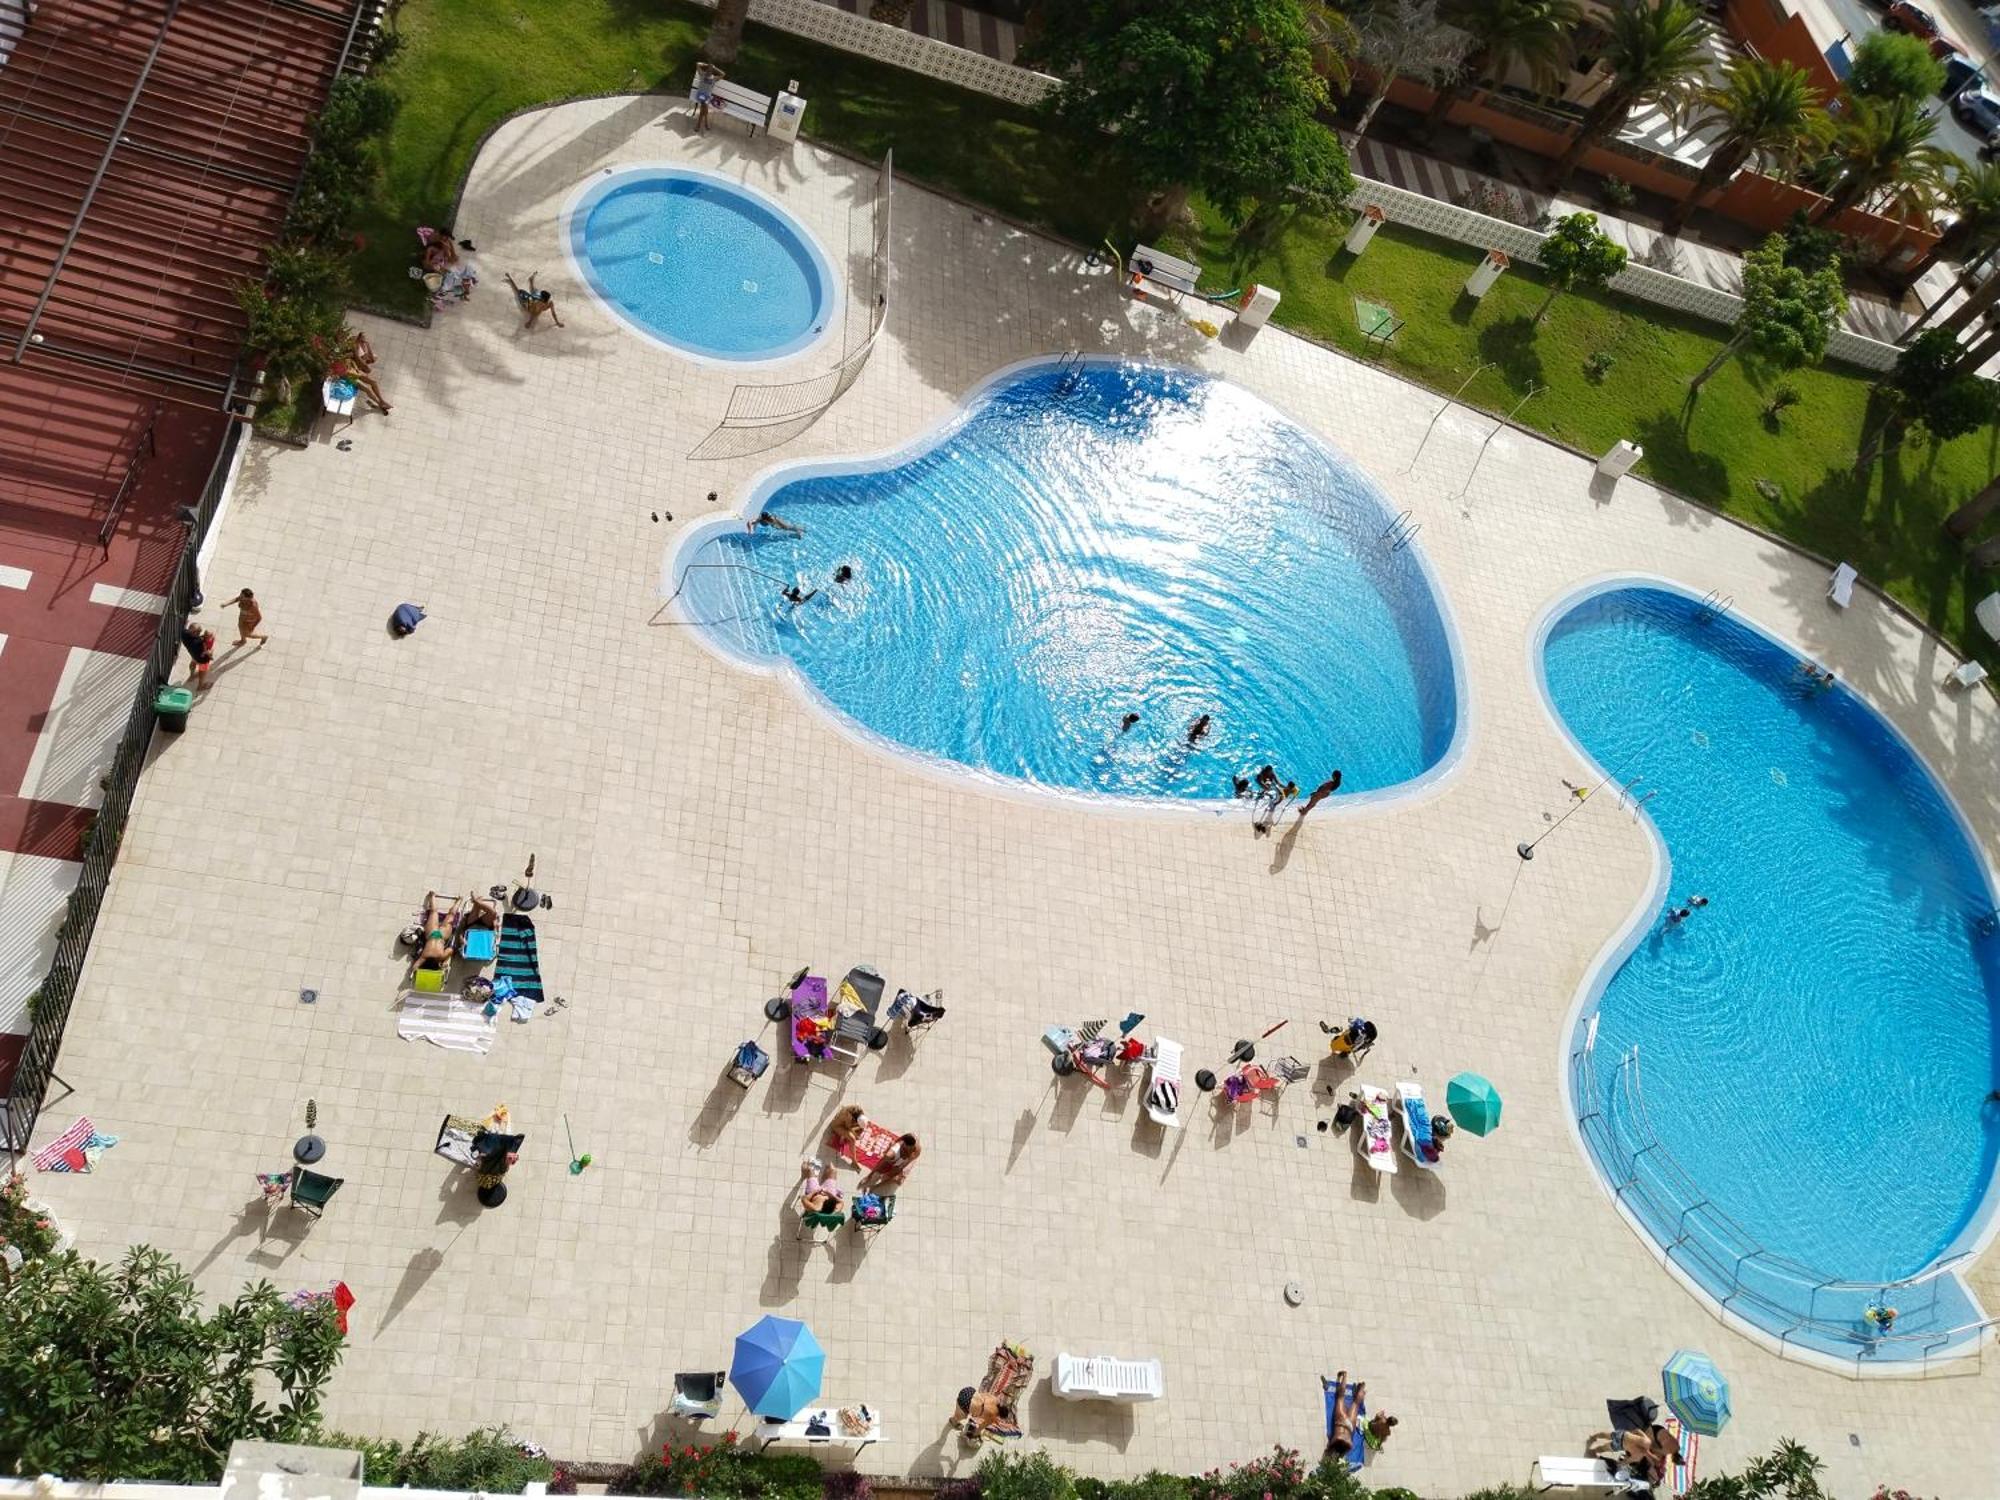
(1557,1473)
(1100,1377)
(739,103)
(1176,275)
(769,1431)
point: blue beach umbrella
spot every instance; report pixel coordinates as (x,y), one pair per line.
(777,1366)
(1696,1391)
(1474,1103)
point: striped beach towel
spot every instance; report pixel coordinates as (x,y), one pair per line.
(448,1021)
(65,1152)
(520,960)
(1684,1475)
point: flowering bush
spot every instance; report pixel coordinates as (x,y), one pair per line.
(1281,1476)
(723,1470)
(28,1231)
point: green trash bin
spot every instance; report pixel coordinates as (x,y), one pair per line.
(171,706)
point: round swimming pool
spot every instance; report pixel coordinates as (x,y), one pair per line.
(1782,1069)
(1087,541)
(700,264)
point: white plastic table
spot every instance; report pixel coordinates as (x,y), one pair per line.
(769,1431)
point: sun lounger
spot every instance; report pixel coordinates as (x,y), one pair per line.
(1101,1377)
(1968,674)
(1375,1141)
(1163,1085)
(1559,1473)
(1840,587)
(859,1000)
(1418,1143)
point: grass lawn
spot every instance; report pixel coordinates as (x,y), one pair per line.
(466,64)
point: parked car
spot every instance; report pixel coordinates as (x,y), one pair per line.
(1977,110)
(1903,16)
(1960,72)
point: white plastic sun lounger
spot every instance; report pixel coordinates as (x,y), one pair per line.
(1101,1377)
(1840,587)
(1555,1473)
(1374,1142)
(1968,674)
(1163,1084)
(1417,1126)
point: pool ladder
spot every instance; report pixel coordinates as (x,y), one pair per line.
(1069,374)
(1714,603)
(1400,531)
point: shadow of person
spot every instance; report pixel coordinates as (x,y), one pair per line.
(785,1265)
(1481,933)
(1282,855)
(423,1265)
(1024,1128)
(724,1099)
(254,1218)
(1365,1183)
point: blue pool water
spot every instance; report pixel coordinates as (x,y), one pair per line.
(1815,1044)
(700,263)
(1089,541)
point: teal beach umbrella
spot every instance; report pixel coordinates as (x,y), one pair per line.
(777,1367)
(1474,1103)
(1696,1391)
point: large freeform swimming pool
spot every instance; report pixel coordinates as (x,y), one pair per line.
(701,264)
(1084,541)
(1787,1087)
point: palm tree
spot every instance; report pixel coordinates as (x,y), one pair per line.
(725,32)
(1884,150)
(1658,51)
(1334,41)
(1539,35)
(1766,114)
(1975,200)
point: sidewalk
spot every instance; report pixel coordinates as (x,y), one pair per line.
(948,21)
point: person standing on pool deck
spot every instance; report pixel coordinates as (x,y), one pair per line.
(248,618)
(1320,793)
(1197,729)
(706,76)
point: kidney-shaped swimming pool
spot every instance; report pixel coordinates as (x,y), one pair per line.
(1782,1070)
(1089,540)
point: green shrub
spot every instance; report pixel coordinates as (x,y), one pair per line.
(1597,366)
(488,1459)
(1279,1476)
(723,1470)
(1009,1474)
(1618,192)
(1152,1485)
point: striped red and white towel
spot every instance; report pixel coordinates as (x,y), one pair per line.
(1684,1475)
(65,1152)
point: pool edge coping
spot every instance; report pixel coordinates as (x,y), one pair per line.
(1616,949)
(1426,785)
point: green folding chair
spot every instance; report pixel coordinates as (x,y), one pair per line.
(814,1221)
(311,1192)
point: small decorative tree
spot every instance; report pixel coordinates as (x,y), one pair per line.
(1929,385)
(1788,314)
(119,1373)
(1894,65)
(1576,255)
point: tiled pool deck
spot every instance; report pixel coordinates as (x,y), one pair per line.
(703,834)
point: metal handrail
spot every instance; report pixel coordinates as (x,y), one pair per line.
(1736,1292)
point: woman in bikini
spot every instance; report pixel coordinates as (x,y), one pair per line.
(1346,1411)
(439,932)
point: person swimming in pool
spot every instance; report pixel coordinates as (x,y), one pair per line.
(774,523)
(843,574)
(1125,724)
(792,594)
(1197,729)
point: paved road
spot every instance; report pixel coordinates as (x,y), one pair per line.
(1962,24)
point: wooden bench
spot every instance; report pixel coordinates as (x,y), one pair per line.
(739,103)
(1100,1377)
(1558,1473)
(1174,274)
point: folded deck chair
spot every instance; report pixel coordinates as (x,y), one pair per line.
(860,998)
(1374,1142)
(311,1192)
(520,959)
(1357,1451)
(1418,1142)
(1163,1086)
(1840,587)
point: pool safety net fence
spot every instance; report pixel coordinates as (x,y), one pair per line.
(49,1006)
(756,405)
(1796,1310)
